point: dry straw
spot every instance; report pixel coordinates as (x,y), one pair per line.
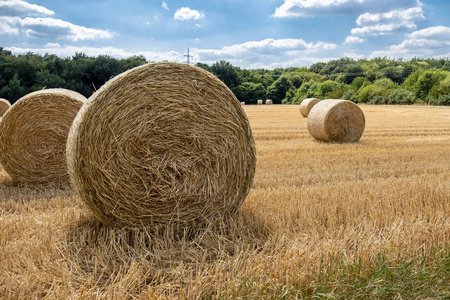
(4,106)
(307,104)
(33,135)
(260,102)
(336,121)
(269,102)
(162,143)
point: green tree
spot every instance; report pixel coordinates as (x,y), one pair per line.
(351,72)
(277,91)
(330,90)
(250,92)
(226,72)
(14,90)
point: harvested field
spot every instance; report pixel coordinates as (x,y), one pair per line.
(314,208)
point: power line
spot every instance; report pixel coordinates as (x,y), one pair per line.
(188,57)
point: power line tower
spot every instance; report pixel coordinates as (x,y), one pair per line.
(188,57)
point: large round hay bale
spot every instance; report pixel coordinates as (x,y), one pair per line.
(269,102)
(4,106)
(33,135)
(336,121)
(260,102)
(161,143)
(307,104)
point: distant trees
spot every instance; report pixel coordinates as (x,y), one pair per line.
(22,74)
(375,81)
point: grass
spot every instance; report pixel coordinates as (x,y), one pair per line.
(329,221)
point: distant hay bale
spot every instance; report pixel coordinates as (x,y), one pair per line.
(336,121)
(161,143)
(260,102)
(269,102)
(242,103)
(33,135)
(307,104)
(4,106)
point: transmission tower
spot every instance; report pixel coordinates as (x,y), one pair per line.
(188,57)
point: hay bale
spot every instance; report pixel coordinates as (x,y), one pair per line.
(269,102)
(33,135)
(161,143)
(4,106)
(307,104)
(260,102)
(336,121)
(242,103)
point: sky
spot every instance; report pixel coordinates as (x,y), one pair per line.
(248,33)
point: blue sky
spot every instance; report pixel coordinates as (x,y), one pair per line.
(247,33)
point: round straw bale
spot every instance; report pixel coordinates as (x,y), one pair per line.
(307,104)
(260,102)
(269,102)
(242,103)
(4,106)
(33,135)
(336,121)
(163,143)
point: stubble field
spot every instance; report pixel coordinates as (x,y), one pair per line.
(368,219)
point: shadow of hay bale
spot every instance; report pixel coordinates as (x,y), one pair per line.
(15,191)
(160,248)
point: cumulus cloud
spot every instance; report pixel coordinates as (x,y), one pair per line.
(50,28)
(67,51)
(389,22)
(17,17)
(185,13)
(309,8)
(431,42)
(254,54)
(353,40)
(437,32)
(19,8)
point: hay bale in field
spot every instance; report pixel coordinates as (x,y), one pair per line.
(242,103)
(307,104)
(33,135)
(269,102)
(336,121)
(260,102)
(4,106)
(161,143)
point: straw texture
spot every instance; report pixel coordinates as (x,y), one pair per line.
(33,135)
(4,106)
(162,143)
(336,121)
(307,104)
(260,102)
(269,102)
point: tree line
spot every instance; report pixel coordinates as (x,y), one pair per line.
(375,81)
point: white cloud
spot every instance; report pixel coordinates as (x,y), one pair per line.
(50,28)
(309,8)
(67,51)
(353,40)
(19,8)
(389,22)
(8,25)
(437,32)
(52,45)
(164,5)
(185,13)
(254,54)
(428,42)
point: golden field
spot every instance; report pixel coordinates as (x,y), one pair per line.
(311,204)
